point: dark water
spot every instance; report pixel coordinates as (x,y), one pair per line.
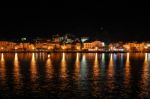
(74,75)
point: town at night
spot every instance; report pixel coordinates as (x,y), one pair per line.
(75,50)
(70,43)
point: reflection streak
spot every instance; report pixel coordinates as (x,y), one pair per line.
(33,68)
(63,67)
(49,69)
(145,73)
(77,66)
(83,67)
(16,69)
(96,67)
(110,66)
(2,68)
(110,73)
(121,61)
(103,59)
(127,69)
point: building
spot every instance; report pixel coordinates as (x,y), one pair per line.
(6,45)
(57,38)
(78,46)
(24,47)
(116,46)
(97,45)
(134,46)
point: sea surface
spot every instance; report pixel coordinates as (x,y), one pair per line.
(74,75)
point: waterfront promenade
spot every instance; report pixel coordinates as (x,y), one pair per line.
(72,51)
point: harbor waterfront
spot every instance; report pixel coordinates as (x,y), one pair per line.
(74,75)
(70,43)
(74,50)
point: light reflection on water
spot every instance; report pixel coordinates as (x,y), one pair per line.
(63,71)
(17,74)
(77,66)
(110,74)
(127,69)
(103,64)
(49,68)
(83,67)
(111,67)
(96,67)
(2,68)
(80,75)
(33,69)
(145,77)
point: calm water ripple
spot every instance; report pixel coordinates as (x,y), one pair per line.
(74,75)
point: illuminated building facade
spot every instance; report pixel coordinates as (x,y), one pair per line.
(134,46)
(93,45)
(6,45)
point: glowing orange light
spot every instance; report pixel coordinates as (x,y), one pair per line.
(2,68)
(127,69)
(96,67)
(16,48)
(63,47)
(78,48)
(77,66)
(2,48)
(16,70)
(48,55)
(49,68)
(33,68)
(145,47)
(96,48)
(110,72)
(111,64)
(145,74)
(63,66)
(33,48)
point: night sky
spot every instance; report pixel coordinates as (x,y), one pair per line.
(117,21)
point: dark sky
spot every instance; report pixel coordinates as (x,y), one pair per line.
(120,20)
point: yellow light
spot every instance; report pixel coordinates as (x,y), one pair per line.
(33,48)
(110,66)
(148,45)
(78,48)
(128,59)
(48,55)
(63,67)
(145,47)
(16,48)
(145,73)
(2,68)
(63,47)
(110,72)
(96,48)
(49,68)
(2,48)
(127,69)
(145,60)
(2,57)
(33,68)
(77,66)
(49,48)
(77,58)
(96,67)
(16,69)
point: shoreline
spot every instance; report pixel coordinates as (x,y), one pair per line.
(71,51)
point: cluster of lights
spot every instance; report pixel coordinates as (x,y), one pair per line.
(63,47)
